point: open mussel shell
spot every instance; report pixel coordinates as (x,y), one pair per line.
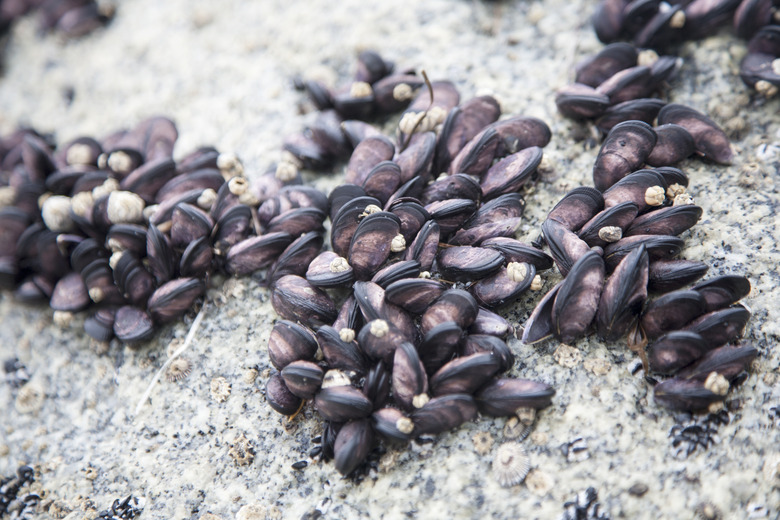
(505,286)
(342,403)
(510,173)
(722,291)
(577,299)
(329,270)
(174,298)
(464,375)
(414,294)
(577,207)
(454,305)
(721,326)
(671,311)
(409,380)
(280,397)
(623,296)
(290,342)
(675,350)
(353,444)
(133,325)
(256,253)
(303,378)
(671,220)
(502,397)
(295,299)
(466,263)
(70,294)
(685,394)
(710,140)
(392,424)
(444,413)
(670,275)
(674,144)
(624,150)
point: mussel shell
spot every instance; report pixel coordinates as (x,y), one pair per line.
(457,186)
(146,180)
(539,325)
(280,397)
(353,444)
(303,378)
(658,247)
(412,216)
(382,180)
(727,361)
(188,224)
(451,214)
(670,275)
(565,246)
(346,222)
(100,325)
(392,273)
(295,299)
(453,305)
(476,343)
(620,215)
(710,140)
(127,237)
(174,298)
(577,207)
(461,125)
(416,159)
(135,282)
(474,236)
(623,296)
(684,394)
(297,221)
(370,246)
(444,413)
(510,173)
(515,251)
(464,375)
(414,294)
(322,273)
(290,342)
(671,311)
(338,353)
(750,16)
(425,245)
(368,153)
(507,206)
(613,58)
(642,109)
(577,299)
(201,179)
(580,101)
(161,258)
(466,263)
(500,288)
(631,83)
(377,384)
(475,157)
(379,340)
(342,403)
(299,254)
(196,258)
(386,422)
(624,150)
(70,294)
(520,132)
(675,350)
(489,323)
(383,91)
(721,326)
(722,291)
(133,325)
(502,397)
(409,379)
(674,144)
(254,253)
(672,220)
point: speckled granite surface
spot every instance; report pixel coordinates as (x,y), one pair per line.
(222,71)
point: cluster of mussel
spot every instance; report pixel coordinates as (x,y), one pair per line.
(71,18)
(612,88)
(415,348)
(660,25)
(629,232)
(11,502)
(118,227)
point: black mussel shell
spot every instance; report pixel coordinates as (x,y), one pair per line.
(722,291)
(502,397)
(624,150)
(174,298)
(127,237)
(382,180)
(727,361)
(451,214)
(377,384)
(412,216)
(643,109)
(613,58)
(367,154)
(515,251)
(490,323)
(135,282)
(290,342)
(410,382)
(255,253)
(342,403)
(631,83)
(188,224)
(294,259)
(372,243)
(196,258)
(674,144)
(721,326)
(461,125)
(389,274)
(303,378)
(539,325)
(100,325)
(578,101)
(710,140)
(346,222)
(466,263)
(623,296)
(565,246)
(609,225)
(577,299)
(670,275)
(464,375)
(453,305)
(133,325)
(658,247)
(329,270)
(416,159)
(645,188)
(675,350)
(685,394)
(474,236)
(577,207)
(340,354)
(510,173)
(457,186)
(353,444)
(476,343)
(477,155)
(280,397)
(414,294)
(70,294)
(444,413)
(671,311)
(425,245)
(161,258)
(297,221)
(295,299)
(392,424)
(505,286)
(672,220)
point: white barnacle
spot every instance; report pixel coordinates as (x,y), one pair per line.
(149,212)
(360,89)
(178,369)
(248,198)
(425,275)
(335,378)
(120,162)
(776,66)
(678,20)
(610,233)
(81,203)
(420,400)
(647,57)
(347,335)
(238,186)
(410,122)
(683,199)
(62,318)
(125,207)
(403,92)
(79,153)
(398,243)
(206,199)
(675,189)
(114,259)
(338,265)
(436,116)
(56,214)
(766,88)
(96,294)
(517,271)
(654,196)
(511,464)
(379,328)
(229,165)
(716,383)
(370,209)
(286,171)
(108,186)
(7,196)
(404,425)
(537,283)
